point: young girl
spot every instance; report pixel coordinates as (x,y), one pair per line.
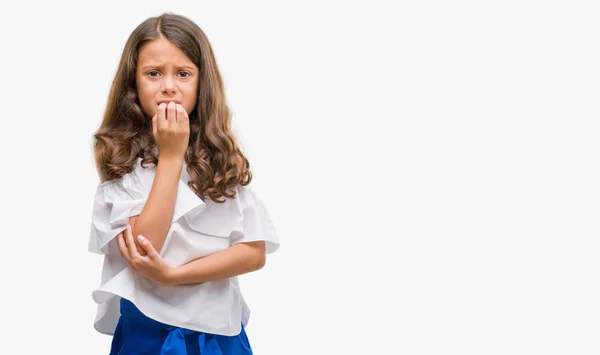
(174,215)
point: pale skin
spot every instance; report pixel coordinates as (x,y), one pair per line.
(236,260)
(167,85)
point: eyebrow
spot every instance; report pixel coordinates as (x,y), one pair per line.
(146,67)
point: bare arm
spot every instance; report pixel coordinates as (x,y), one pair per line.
(155,219)
(170,128)
(238,259)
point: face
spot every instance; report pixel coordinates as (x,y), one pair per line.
(164,73)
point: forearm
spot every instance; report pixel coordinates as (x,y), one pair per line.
(155,219)
(236,260)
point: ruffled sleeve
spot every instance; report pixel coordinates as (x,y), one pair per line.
(256,222)
(114,203)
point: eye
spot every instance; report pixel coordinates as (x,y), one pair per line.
(152,73)
(185,74)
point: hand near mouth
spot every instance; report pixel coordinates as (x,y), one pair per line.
(171,130)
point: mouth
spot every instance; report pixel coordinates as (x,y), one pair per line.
(167,102)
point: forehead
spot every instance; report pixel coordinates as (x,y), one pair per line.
(162,51)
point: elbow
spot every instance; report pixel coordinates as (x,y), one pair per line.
(155,240)
(255,255)
(261,260)
(261,255)
(258,259)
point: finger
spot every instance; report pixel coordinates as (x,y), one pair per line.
(140,250)
(148,247)
(122,246)
(131,248)
(182,116)
(161,115)
(154,124)
(133,268)
(171,113)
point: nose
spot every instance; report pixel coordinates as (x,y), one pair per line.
(168,86)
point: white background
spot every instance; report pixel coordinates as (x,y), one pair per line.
(431,168)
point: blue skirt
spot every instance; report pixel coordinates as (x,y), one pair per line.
(136,334)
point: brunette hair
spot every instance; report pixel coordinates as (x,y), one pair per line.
(214,161)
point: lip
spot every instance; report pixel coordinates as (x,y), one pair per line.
(167,102)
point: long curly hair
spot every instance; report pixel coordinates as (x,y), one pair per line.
(214,161)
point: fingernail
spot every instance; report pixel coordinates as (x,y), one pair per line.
(140,238)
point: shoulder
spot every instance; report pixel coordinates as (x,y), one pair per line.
(247,196)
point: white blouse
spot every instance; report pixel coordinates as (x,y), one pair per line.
(198,228)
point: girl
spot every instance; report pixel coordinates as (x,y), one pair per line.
(174,215)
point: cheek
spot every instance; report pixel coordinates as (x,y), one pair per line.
(191,95)
(149,110)
(189,106)
(145,94)
(147,102)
